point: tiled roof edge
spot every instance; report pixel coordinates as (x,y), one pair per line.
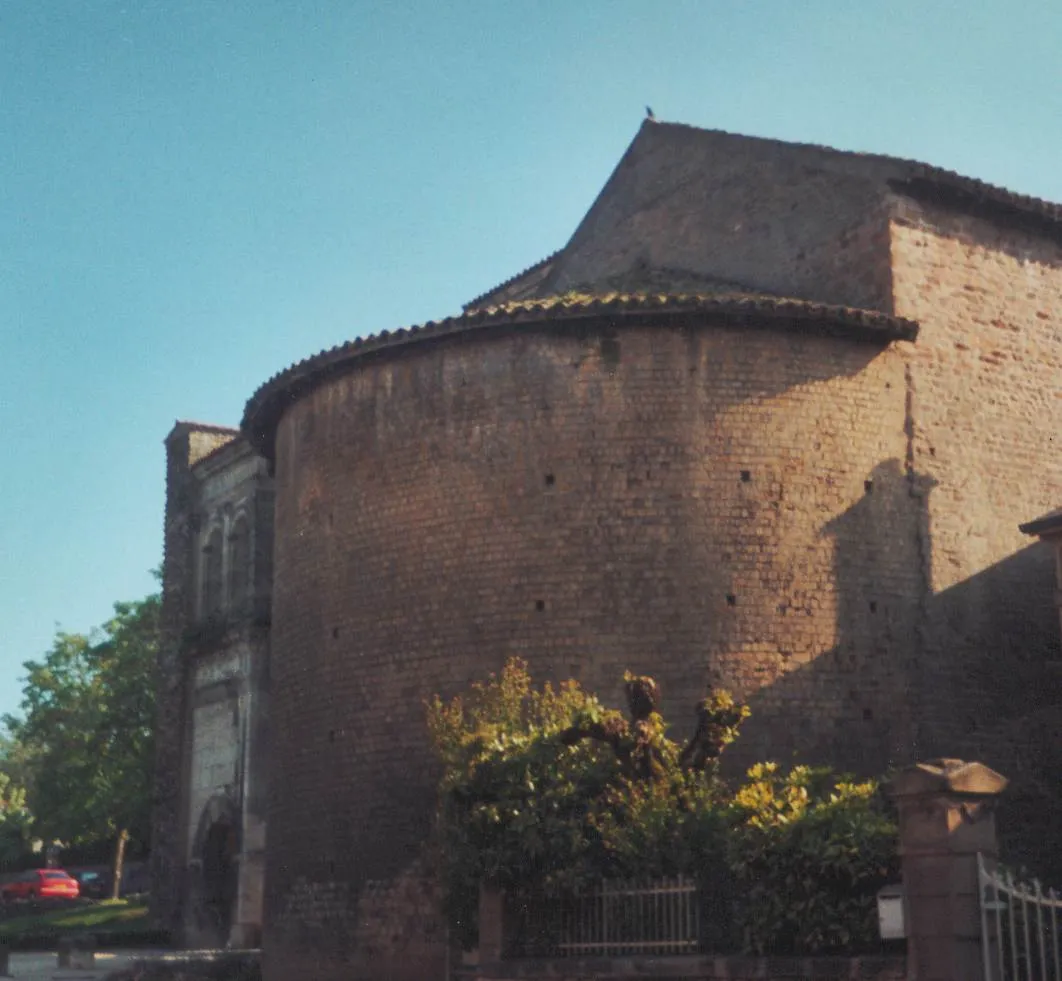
(266,405)
(1052,521)
(918,171)
(977,197)
(512,279)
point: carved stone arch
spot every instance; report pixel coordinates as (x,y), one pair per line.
(215,860)
(220,809)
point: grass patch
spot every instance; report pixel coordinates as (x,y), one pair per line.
(104,915)
(119,922)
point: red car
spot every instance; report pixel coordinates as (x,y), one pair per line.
(43,883)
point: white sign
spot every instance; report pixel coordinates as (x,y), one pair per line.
(891,920)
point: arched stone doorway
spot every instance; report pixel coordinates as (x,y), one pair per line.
(215,880)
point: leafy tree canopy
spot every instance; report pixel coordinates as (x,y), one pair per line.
(83,745)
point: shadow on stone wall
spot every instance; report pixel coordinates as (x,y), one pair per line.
(1004,622)
(964,673)
(995,638)
(865,704)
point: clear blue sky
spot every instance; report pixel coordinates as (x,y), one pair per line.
(195,194)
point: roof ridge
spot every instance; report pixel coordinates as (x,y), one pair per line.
(920,170)
(205,427)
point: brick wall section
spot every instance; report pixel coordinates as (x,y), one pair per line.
(401,920)
(186,444)
(984,378)
(703,505)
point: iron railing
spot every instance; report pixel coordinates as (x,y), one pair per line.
(1020,925)
(615,919)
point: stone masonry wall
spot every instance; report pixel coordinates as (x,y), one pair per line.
(984,387)
(226,660)
(216,750)
(402,919)
(706,505)
(186,444)
(697,968)
(212,678)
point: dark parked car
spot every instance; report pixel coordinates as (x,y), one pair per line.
(95,883)
(97,880)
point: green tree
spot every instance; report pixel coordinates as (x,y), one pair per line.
(16,822)
(87,726)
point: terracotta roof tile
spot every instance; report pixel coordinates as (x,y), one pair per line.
(265,407)
(513,279)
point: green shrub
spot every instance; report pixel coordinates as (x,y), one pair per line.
(808,851)
(514,802)
(551,791)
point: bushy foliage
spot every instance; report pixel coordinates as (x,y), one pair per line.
(809,851)
(547,789)
(514,802)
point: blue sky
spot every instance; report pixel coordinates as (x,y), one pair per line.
(195,194)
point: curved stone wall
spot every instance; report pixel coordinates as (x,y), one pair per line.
(704,503)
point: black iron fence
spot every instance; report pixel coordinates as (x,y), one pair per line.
(615,919)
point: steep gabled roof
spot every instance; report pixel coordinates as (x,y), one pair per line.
(784,218)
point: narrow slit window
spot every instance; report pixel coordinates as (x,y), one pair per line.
(239,562)
(212,566)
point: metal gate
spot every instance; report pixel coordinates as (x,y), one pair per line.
(1020,926)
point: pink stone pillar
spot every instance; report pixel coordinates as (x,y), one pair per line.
(491,924)
(946,817)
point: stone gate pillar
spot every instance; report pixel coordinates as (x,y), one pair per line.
(491,924)
(946,817)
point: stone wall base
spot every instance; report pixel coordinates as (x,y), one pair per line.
(691,968)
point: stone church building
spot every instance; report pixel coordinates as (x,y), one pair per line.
(214,685)
(769,420)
